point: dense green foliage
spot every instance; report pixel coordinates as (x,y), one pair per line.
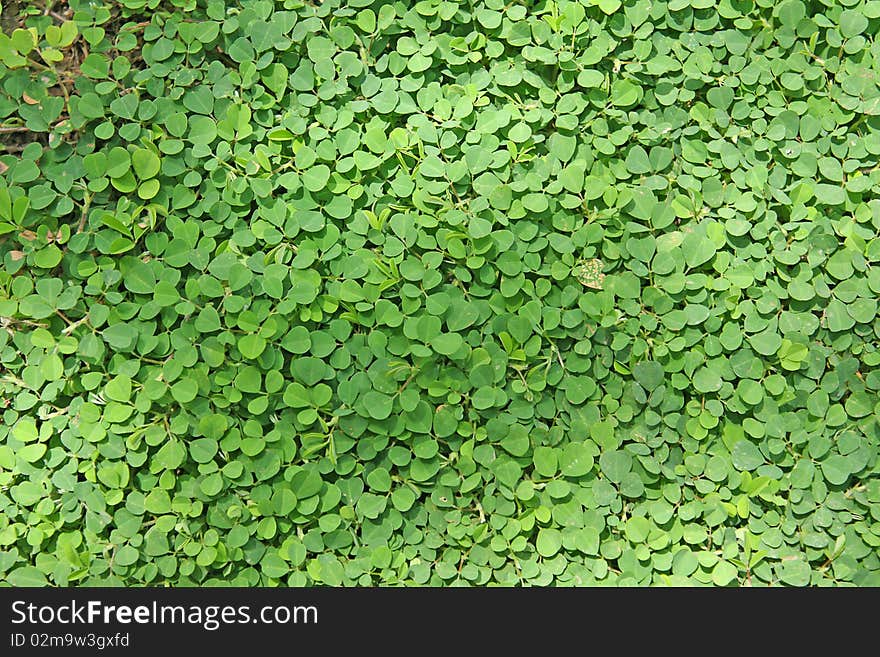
(442,293)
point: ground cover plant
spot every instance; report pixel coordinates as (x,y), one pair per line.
(439,293)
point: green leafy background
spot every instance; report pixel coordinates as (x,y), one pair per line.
(446,293)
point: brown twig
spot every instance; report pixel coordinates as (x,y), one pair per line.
(72,327)
(136,26)
(62,316)
(412,375)
(85,214)
(55,413)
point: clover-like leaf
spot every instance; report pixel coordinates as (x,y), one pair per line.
(418,294)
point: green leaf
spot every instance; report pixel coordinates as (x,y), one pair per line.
(379,480)
(48,257)
(184,390)
(140,279)
(27,576)
(316,177)
(697,249)
(576,459)
(545,459)
(95,66)
(118,388)
(378,405)
(836,469)
(746,456)
(624,93)
(447,343)
(146,163)
(830,194)
(549,542)
(251,346)
(837,316)
(202,130)
(707,379)
(649,374)
(203,450)
(615,465)
(795,572)
(637,161)
(724,573)
(766,342)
